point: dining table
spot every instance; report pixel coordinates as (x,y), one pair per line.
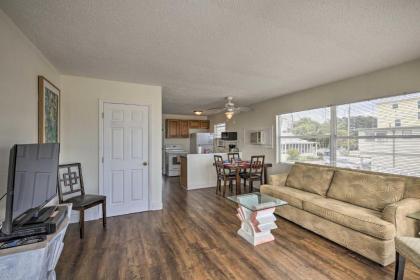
(237,166)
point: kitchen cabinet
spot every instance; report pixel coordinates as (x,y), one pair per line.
(184,131)
(181,128)
(172,128)
(196,124)
(183,178)
(205,124)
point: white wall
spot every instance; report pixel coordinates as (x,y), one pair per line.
(20,64)
(404,78)
(80,123)
(185,142)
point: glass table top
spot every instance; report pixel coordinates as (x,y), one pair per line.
(415,215)
(257,201)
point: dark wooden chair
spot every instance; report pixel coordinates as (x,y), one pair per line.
(254,172)
(223,174)
(70,182)
(233,156)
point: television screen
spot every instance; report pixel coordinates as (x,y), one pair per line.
(32,179)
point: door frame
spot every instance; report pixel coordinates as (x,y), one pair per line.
(101,146)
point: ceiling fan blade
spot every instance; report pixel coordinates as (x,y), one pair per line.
(214,110)
(242,109)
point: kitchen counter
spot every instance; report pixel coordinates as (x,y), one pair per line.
(198,171)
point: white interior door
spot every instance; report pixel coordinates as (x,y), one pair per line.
(125,158)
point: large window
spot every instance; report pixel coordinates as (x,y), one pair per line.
(371,135)
(305,136)
(218,129)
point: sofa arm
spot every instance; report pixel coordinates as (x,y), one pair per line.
(396,213)
(277,179)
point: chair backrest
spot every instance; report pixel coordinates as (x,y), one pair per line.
(218,163)
(256,165)
(70,180)
(233,156)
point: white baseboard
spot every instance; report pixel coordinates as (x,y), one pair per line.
(155,205)
(92,214)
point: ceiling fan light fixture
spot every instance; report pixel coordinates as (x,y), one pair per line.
(198,112)
(229,115)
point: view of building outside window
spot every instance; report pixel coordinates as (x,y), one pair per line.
(379,135)
(305,136)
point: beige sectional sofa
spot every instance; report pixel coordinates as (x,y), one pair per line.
(360,210)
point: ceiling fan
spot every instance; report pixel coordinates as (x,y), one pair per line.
(230,109)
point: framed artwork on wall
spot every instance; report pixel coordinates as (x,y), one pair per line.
(48,111)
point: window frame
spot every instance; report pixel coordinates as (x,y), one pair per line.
(334,137)
(278,142)
(216,133)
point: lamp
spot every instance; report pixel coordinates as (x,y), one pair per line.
(229,115)
(198,113)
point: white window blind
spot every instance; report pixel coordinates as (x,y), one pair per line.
(305,136)
(218,129)
(372,135)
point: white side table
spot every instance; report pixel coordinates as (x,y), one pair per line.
(34,261)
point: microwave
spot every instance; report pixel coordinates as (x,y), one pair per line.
(257,138)
(229,136)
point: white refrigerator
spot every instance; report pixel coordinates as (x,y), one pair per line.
(201,143)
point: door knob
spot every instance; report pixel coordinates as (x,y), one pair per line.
(145,163)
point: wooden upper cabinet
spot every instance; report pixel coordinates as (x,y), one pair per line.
(183,131)
(195,124)
(172,128)
(181,128)
(205,124)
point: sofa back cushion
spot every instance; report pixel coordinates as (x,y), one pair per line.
(277,179)
(366,190)
(412,187)
(310,178)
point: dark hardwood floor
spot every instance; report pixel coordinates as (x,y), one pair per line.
(194,237)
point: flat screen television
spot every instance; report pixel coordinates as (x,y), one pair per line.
(32,181)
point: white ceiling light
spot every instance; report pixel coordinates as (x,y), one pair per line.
(229,115)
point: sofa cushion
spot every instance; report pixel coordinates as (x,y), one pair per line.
(357,218)
(378,250)
(277,179)
(371,191)
(294,197)
(310,178)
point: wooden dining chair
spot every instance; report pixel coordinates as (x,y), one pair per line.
(218,159)
(223,174)
(233,156)
(70,183)
(254,172)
